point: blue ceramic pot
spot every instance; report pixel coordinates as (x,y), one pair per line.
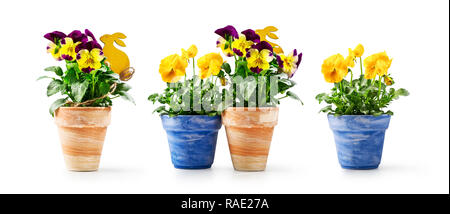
(192,139)
(359,139)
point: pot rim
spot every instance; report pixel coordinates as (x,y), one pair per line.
(187,115)
(359,115)
(84,108)
(252,108)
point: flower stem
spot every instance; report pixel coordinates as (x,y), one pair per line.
(351,77)
(360,65)
(193,65)
(379,88)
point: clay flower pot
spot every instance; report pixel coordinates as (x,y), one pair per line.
(249,133)
(192,139)
(82,131)
(359,139)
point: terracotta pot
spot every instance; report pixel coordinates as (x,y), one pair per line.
(82,132)
(249,133)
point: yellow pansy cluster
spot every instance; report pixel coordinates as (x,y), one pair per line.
(173,67)
(336,67)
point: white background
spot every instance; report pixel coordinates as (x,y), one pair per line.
(302,158)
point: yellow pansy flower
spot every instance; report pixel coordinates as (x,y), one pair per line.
(68,49)
(172,68)
(241,45)
(358,51)
(334,68)
(209,64)
(376,64)
(191,52)
(90,60)
(350,60)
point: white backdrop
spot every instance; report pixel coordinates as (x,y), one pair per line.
(302,157)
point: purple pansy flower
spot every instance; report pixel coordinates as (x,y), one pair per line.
(227,31)
(55,36)
(251,35)
(263,45)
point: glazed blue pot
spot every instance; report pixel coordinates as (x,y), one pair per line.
(192,139)
(359,139)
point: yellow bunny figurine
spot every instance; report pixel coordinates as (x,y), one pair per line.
(117,59)
(267,31)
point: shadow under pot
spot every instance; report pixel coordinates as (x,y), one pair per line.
(359,139)
(249,133)
(192,139)
(82,132)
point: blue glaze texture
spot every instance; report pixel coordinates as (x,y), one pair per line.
(359,139)
(192,139)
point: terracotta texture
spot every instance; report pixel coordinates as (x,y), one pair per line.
(249,133)
(82,132)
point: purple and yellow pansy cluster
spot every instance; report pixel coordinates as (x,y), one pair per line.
(76,46)
(259,54)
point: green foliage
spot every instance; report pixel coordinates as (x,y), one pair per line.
(360,97)
(191,97)
(261,90)
(84,89)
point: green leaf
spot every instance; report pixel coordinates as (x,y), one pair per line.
(103,88)
(79,89)
(127,97)
(123,87)
(54,87)
(58,70)
(44,77)
(402,92)
(226,67)
(70,76)
(160,109)
(241,68)
(55,105)
(153,97)
(294,96)
(326,109)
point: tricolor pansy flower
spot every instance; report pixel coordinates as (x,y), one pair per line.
(289,64)
(251,35)
(68,49)
(55,36)
(227,32)
(90,42)
(54,50)
(77,36)
(241,45)
(225,46)
(90,60)
(259,57)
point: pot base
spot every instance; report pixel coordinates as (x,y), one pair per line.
(360,167)
(192,167)
(249,163)
(82,164)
